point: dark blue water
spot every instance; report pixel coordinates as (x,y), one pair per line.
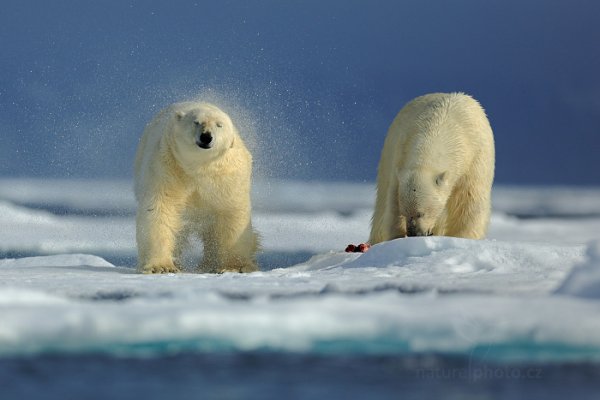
(290,376)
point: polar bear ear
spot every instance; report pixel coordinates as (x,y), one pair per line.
(179,115)
(439,180)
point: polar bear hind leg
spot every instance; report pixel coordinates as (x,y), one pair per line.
(230,245)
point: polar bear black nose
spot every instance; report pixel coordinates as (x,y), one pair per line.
(206,138)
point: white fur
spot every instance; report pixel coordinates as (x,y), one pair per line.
(184,189)
(436,170)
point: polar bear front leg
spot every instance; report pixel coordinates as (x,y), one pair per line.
(473,220)
(230,244)
(157,224)
(387,223)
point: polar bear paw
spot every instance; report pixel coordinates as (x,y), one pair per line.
(159,268)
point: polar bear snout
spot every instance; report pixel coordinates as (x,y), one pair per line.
(205,140)
(204,137)
(412,231)
(415,226)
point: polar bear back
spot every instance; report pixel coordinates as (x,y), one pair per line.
(441,131)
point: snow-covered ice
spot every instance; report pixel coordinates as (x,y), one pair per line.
(528,292)
(584,279)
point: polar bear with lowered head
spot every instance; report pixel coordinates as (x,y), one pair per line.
(436,170)
(192,176)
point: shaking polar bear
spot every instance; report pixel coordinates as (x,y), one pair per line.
(436,170)
(192,176)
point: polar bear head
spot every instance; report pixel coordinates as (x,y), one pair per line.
(201,132)
(422,196)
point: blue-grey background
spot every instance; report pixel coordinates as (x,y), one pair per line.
(314,84)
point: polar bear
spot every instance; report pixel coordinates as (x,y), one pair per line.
(193,176)
(436,170)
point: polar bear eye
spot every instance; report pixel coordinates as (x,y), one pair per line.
(439,180)
(219,124)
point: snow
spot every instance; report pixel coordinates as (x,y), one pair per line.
(584,279)
(34,231)
(530,291)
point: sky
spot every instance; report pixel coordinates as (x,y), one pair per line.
(312,85)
